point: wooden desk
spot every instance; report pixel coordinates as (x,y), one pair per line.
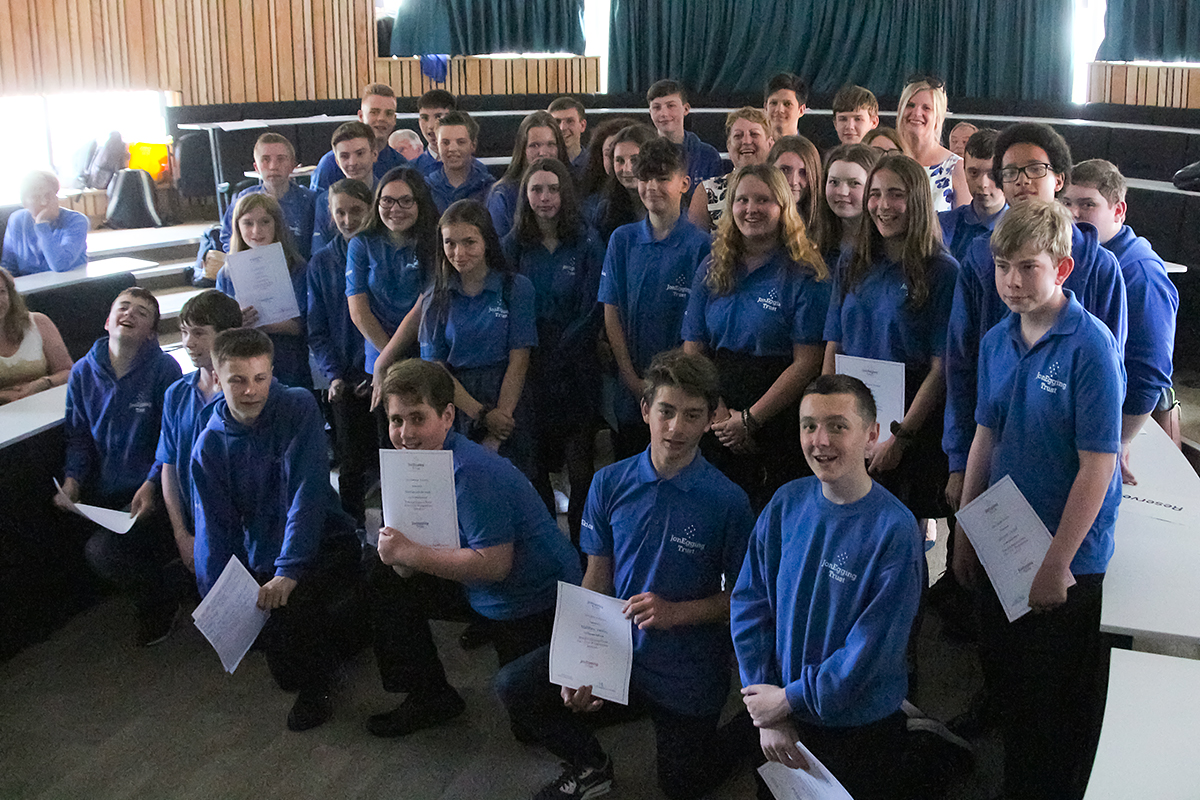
(1151,725)
(32,415)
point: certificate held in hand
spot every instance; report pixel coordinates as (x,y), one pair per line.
(885,379)
(418,496)
(261,279)
(592,643)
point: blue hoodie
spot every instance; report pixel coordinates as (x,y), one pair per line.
(262,491)
(112,424)
(336,344)
(475,187)
(31,247)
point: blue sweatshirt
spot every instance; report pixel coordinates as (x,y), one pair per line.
(1153,302)
(335,342)
(502,205)
(262,491)
(324,230)
(475,187)
(31,247)
(425,163)
(825,602)
(112,425)
(298,205)
(703,160)
(962,225)
(328,172)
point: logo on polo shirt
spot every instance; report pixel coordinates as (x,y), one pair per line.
(1049,381)
(837,568)
(142,404)
(771,301)
(679,287)
(410,265)
(569,267)
(685,543)
(498,310)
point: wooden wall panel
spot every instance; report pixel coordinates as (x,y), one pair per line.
(1132,83)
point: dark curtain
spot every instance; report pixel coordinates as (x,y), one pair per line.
(479,27)
(1151,30)
(1018,49)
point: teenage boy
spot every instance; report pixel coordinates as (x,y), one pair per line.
(188,404)
(377,112)
(960,134)
(431,107)
(354,147)
(511,558)
(668,107)
(855,111)
(262,495)
(1031,161)
(664,531)
(1051,381)
(43,236)
(961,225)
(275,159)
(114,411)
(572,122)
(784,103)
(646,281)
(1096,196)
(459,175)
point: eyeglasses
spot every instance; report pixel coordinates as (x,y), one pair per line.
(1031,171)
(406,202)
(932,82)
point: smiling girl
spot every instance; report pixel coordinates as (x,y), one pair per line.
(800,162)
(846,174)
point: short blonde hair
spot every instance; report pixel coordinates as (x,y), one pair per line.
(749,114)
(1042,223)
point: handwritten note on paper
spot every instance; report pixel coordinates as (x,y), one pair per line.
(229,616)
(261,279)
(592,643)
(418,496)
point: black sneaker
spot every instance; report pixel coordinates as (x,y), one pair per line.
(579,783)
(312,708)
(418,711)
(154,626)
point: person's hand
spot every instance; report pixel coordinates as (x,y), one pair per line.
(768,705)
(580,700)
(70,488)
(1049,588)
(492,443)
(48,214)
(648,610)
(213,261)
(249,317)
(499,424)
(363,389)
(965,564)
(954,487)
(275,592)
(186,544)
(336,387)
(377,388)
(886,456)
(779,745)
(143,499)
(1126,472)
(730,431)
(395,547)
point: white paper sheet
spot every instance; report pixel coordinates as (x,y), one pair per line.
(885,379)
(261,279)
(418,496)
(592,643)
(1010,540)
(113,519)
(229,616)
(814,783)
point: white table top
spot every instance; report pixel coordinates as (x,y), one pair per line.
(27,284)
(1151,726)
(31,415)
(1151,587)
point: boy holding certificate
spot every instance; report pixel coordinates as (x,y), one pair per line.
(661,530)
(511,558)
(825,601)
(1051,384)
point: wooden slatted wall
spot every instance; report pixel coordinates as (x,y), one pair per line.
(472,75)
(1130,83)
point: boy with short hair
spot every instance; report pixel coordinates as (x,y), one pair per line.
(1051,381)
(378,113)
(275,159)
(961,225)
(668,107)
(823,607)
(262,495)
(784,102)
(646,281)
(666,532)
(855,112)
(459,175)
(43,236)
(431,107)
(572,122)
(114,413)
(1096,196)
(354,147)
(511,558)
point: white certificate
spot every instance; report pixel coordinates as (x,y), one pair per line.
(229,616)
(814,783)
(885,379)
(114,519)
(418,496)
(592,643)
(261,279)
(1010,540)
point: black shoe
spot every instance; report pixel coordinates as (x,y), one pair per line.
(154,626)
(579,783)
(418,711)
(476,635)
(312,708)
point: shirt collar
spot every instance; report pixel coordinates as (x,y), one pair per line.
(685,480)
(646,231)
(1067,323)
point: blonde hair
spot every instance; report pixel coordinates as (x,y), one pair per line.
(729,245)
(937,94)
(1042,223)
(17,321)
(283,234)
(750,114)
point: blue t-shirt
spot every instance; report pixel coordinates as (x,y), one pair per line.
(498,505)
(335,342)
(480,331)
(185,414)
(328,172)
(1054,399)
(677,538)
(392,278)
(565,282)
(778,305)
(502,205)
(31,247)
(825,602)
(962,225)
(291,350)
(299,206)
(475,187)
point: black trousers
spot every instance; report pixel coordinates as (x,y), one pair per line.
(143,563)
(355,438)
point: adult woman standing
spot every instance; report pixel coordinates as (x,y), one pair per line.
(33,357)
(919,122)
(748,140)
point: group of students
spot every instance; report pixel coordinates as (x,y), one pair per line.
(700,316)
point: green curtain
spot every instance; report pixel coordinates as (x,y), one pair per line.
(479,27)
(1151,30)
(1017,49)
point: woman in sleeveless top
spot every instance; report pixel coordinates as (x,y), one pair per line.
(33,357)
(749,141)
(919,121)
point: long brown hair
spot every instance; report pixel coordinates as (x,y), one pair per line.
(16,322)
(814,198)
(283,234)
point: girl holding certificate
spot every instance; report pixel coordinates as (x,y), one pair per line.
(892,302)
(758,305)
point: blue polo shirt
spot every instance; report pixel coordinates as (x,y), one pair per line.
(324,228)
(390,276)
(1097,283)
(475,187)
(770,309)
(298,205)
(498,505)
(502,205)
(31,247)
(1054,399)
(565,282)
(291,351)
(677,538)
(579,163)
(480,331)
(328,172)
(185,414)
(962,225)
(426,163)
(703,160)
(335,342)
(649,282)
(1153,302)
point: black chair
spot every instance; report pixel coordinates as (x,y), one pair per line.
(80,309)
(194,157)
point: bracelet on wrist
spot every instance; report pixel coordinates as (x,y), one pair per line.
(903,437)
(749,422)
